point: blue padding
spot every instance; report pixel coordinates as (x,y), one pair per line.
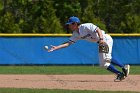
(30,50)
(127,49)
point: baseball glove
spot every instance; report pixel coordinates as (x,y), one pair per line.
(103,48)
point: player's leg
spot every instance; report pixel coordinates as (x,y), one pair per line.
(105,60)
(106,63)
(125,68)
(116,62)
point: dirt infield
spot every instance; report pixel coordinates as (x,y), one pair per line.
(73,82)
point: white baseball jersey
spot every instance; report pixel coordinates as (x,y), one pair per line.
(88,32)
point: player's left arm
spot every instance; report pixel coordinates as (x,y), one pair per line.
(98,30)
(103,47)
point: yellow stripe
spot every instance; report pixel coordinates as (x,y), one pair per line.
(134,34)
(26,34)
(18,35)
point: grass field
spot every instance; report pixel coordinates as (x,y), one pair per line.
(57,70)
(2,90)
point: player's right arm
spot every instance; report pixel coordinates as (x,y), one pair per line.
(72,40)
(66,44)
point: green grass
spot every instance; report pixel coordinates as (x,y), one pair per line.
(59,70)
(10,90)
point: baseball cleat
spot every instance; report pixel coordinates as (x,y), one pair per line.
(126,70)
(119,77)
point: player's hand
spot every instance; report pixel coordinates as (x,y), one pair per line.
(52,48)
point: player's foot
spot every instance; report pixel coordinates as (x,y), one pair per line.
(120,77)
(126,70)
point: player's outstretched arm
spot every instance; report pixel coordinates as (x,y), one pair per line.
(53,48)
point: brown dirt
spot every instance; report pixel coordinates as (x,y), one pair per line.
(73,82)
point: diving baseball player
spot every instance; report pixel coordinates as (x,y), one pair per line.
(93,33)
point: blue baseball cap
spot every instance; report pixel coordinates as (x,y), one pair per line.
(72,20)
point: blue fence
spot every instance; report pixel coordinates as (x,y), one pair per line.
(30,50)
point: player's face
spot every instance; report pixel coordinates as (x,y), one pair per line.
(73,26)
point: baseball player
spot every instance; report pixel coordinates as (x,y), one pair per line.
(93,33)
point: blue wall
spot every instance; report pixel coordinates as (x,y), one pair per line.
(30,50)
